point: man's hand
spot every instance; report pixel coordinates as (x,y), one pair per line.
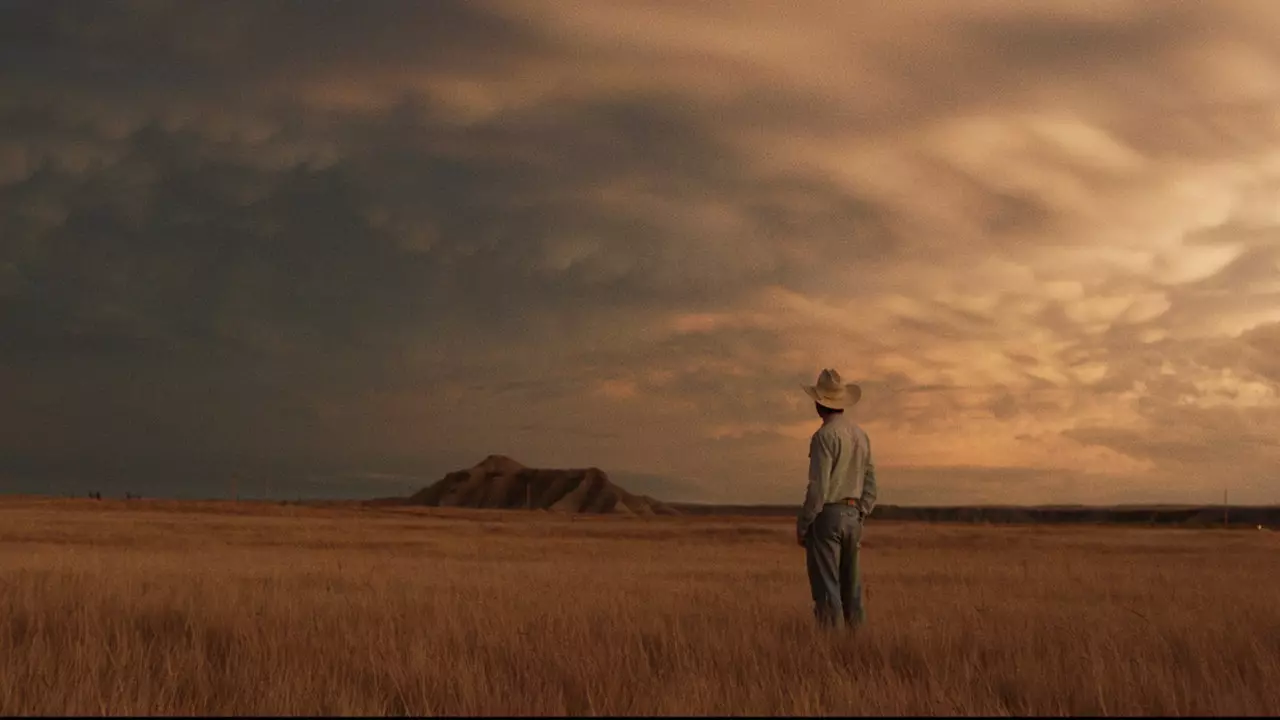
(800,536)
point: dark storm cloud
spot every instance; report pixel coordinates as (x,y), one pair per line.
(493,203)
(178,237)
(242,49)
(210,297)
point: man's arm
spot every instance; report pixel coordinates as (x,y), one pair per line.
(820,464)
(867,502)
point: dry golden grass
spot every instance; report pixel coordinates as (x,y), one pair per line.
(214,608)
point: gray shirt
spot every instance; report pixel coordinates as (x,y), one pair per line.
(840,467)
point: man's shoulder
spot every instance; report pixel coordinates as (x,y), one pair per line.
(860,434)
(844,430)
(838,430)
(818,435)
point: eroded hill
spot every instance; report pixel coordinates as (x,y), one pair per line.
(499,482)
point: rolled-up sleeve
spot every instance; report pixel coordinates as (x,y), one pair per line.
(820,464)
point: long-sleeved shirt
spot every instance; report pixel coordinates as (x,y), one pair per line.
(840,466)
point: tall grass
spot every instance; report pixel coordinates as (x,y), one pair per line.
(201,609)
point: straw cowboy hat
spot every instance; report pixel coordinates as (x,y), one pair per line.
(832,392)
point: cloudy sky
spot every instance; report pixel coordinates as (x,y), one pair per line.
(360,244)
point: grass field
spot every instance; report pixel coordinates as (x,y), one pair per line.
(149,607)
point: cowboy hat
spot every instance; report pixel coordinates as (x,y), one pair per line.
(830,391)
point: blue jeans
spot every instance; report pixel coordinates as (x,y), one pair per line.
(831,548)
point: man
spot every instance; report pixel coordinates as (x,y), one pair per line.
(841,494)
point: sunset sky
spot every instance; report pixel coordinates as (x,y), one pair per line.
(345,247)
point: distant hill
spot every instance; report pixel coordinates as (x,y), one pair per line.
(498,482)
(1187,516)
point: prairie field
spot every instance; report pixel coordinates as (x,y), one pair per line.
(152,607)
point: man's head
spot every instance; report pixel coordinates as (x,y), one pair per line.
(825,412)
(831,393)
